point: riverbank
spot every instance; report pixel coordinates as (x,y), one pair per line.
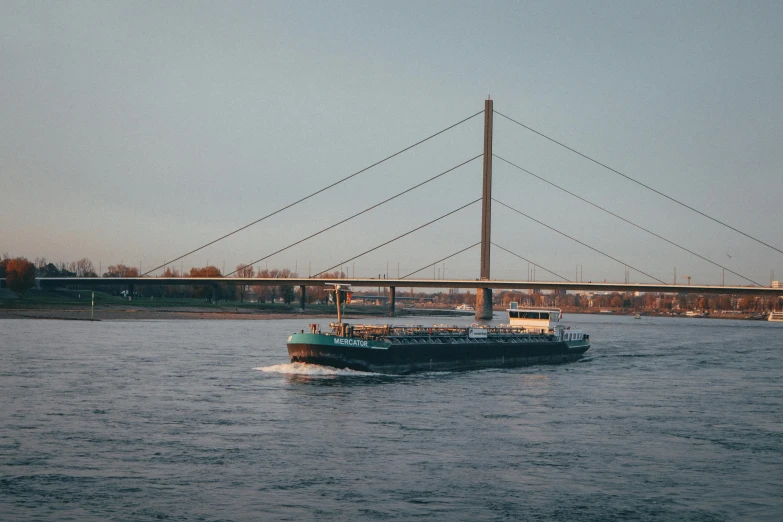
(716,314)
(139,313)
(76,305)
(142,314)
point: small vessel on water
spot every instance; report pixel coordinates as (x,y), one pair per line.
(775,317)
(637,316)
(533,336)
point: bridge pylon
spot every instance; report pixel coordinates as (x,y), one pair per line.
(484,295)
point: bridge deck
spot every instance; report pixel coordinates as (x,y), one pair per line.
(411,283)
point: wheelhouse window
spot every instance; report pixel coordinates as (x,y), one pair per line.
(534,315)
(526,314)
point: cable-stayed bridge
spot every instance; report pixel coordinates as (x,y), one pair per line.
(394,284)
(483,285)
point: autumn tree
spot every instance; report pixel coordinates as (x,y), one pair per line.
(120,270)
(207,271)
(19,274)
(213,292)
(320,292)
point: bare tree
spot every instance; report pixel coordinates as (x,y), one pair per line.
(85,268)
(244,271)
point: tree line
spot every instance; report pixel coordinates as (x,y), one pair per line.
(19,274)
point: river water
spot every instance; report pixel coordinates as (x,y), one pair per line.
(206,420)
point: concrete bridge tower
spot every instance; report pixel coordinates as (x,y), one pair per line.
(484,295)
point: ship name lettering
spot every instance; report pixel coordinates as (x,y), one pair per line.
(351,342)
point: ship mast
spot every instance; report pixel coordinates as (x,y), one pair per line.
(339,312)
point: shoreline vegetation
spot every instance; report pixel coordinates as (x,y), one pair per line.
(20,298)
(76,305)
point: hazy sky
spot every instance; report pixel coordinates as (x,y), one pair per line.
(134,132)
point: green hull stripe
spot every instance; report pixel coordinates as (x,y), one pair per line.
(335,340)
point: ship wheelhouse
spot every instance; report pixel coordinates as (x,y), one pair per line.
(534,319)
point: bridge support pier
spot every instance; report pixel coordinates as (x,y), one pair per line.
(483,304)
(302,296)
(392,294)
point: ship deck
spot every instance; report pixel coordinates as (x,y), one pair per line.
(394,332)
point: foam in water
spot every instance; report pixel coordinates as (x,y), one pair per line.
(312,370)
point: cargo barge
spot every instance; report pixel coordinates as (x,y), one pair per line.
(532,336)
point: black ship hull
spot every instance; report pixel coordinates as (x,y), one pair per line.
(408,358)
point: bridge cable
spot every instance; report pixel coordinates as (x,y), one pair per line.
(626,220)
(581,243)
(640,183)
(356,215)
(314,193)
(398,237)
(531,262)
(441,260)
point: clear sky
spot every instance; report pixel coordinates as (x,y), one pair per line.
(134,132)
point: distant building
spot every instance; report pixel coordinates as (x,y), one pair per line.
(776,284)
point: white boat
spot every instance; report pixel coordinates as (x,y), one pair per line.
(466,307)
(637,316)
(776,317)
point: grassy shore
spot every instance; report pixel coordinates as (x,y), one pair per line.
(77,305)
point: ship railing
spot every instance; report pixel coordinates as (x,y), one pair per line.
(422,331)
